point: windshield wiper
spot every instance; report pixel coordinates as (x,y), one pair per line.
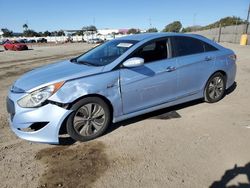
(85,63)
(73,60)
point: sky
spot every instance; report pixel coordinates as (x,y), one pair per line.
(74,14)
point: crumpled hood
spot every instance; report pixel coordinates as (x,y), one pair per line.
(53,73)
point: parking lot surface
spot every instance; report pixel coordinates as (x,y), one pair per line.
(191,145)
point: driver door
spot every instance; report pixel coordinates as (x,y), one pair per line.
(153,83)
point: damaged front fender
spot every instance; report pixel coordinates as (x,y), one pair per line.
(105,84)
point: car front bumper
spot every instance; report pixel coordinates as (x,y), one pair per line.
(23,121)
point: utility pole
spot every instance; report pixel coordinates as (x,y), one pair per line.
(219,33)
(248,18)
(150,23)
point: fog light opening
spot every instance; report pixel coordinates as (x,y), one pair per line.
(34,127)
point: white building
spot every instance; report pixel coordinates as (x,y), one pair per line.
(107,31)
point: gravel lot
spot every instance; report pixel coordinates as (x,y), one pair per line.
(190,145)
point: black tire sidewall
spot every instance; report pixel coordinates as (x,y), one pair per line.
(207,97)
(70,126)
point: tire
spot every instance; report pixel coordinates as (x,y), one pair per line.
(5,48)
(90,119)
(215,88)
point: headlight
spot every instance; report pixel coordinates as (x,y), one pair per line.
(36,98)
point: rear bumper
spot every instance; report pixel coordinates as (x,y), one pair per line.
(231,75)
(23,119)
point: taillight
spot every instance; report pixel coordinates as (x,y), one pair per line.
(233,57)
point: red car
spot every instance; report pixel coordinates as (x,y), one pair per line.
(15,45)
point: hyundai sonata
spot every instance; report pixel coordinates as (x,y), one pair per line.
(115,81)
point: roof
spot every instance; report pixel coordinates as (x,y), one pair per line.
(149,36)
(140,37)
(143,36)
(152,36)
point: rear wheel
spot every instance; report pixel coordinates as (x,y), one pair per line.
(90,119)
(215,88)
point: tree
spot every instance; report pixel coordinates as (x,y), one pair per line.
(54,33)
(40,34)
(173,27)
(46,33)
(90,28)
(60,33)
(152,30)
(191,29)
(7,32)
(79,33)
(227,21)
(133,31)
(25,26)
(30,33)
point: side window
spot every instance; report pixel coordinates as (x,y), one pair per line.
(209,48)
(154,51)
(187,46)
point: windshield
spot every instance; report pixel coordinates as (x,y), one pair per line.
(106,53)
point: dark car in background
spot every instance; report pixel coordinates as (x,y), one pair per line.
(41,40)
(31,41)
(22,41)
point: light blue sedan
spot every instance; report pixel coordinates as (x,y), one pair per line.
(115,81)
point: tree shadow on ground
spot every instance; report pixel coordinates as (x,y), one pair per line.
(232,174)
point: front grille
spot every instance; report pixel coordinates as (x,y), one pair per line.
(10,107)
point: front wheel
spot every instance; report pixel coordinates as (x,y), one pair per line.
(89,119)
(215,88)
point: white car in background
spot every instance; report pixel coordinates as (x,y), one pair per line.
(95,41)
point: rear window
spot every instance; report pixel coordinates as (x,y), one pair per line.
(188,46)
(209,48)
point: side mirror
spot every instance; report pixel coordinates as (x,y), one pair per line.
(133,62)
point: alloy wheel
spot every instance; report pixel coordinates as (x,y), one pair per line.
(89,119)
(216,88)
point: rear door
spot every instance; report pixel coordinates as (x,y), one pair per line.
(153,83)
(195,60)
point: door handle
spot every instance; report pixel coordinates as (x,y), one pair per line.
(170,69)
(208,58)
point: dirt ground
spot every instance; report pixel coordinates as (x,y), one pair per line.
(190,145)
